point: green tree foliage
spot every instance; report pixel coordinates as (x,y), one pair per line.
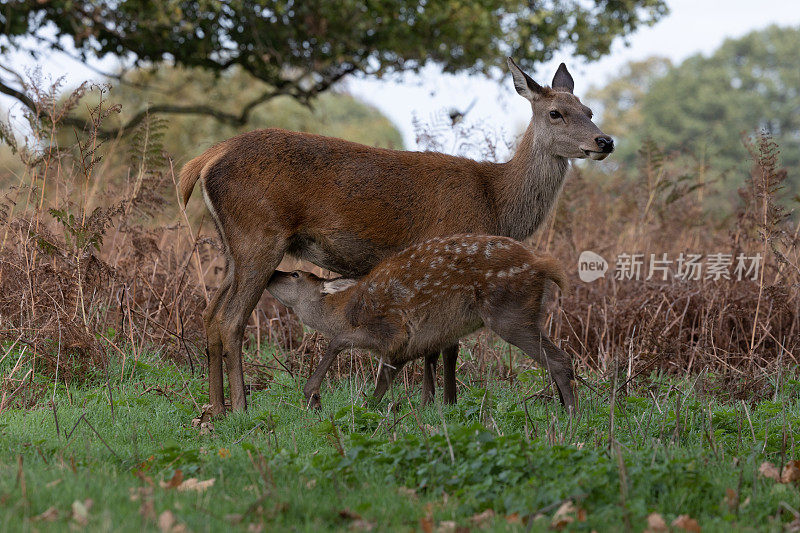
(301,48)
(333,113)
(620,101)
(706,106)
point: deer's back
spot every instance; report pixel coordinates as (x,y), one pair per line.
(344,205)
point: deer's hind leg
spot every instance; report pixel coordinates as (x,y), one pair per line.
(214,345)
(253,259)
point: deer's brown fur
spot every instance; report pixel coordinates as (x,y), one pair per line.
(345,206)
(428,296)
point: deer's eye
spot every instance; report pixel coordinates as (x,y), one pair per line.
(555,115)
(295,275)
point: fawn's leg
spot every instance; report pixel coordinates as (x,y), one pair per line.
(351,339)
(538,346)
(385,379)
(518,325)
(450,359)
(429,377)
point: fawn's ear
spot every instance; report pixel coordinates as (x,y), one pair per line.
(524,84)
(337,285)
(563,81)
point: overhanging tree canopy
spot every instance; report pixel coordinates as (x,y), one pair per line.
(302,47)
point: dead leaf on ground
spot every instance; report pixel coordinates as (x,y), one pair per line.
(175,481)
(80,511)
(357,523)
(361,525)
(447,526)
(147,509)
(514,518)
(141,475)
(194,484)
(234,518)
(426,523)
(791,472)
(769,471)
(165,521)
(433,430)
(686,523)
(731,499)
(205,416)
(49,515)
(565,515)
(405,491)
(137,493)
(481,519)
(656,523)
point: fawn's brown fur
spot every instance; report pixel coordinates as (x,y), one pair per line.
(345,206)
(425,298)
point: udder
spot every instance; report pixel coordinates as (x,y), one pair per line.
(341,252)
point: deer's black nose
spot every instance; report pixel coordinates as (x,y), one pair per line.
(605,143)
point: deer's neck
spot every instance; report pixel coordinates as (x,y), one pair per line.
(327,314)
(529,187)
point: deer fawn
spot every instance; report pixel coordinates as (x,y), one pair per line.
(427,297)
(345,206)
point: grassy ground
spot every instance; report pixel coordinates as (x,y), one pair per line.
(666,448)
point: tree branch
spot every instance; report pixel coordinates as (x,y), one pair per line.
(239,119)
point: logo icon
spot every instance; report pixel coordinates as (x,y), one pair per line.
(591,266)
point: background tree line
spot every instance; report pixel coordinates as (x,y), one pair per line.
(708,108)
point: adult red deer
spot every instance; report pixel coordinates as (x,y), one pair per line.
(425,298)
(345,206)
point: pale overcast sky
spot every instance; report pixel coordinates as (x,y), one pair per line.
(692,26)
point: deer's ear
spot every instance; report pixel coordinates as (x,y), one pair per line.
(524,84)
(337,285)
(563,81)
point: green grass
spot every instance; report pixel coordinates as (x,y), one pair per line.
(666,449)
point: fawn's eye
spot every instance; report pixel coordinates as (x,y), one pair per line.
(295,275)
(555,115)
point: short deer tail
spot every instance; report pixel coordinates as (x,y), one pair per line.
(550,268)
(192,170)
